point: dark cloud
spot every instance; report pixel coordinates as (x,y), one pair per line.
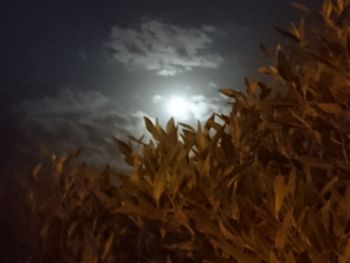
(163,48)
(74,119)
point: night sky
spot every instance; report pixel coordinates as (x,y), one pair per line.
(75,73)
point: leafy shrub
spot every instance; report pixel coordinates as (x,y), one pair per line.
(268,182)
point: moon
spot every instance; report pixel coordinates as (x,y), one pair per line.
(179,108)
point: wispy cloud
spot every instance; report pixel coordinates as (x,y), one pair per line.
(74,119)
(164,48)
(90,120)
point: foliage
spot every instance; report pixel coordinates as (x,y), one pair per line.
(268,182)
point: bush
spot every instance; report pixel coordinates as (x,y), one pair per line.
(268,182)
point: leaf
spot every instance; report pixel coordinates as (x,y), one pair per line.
(282,233)
(301,7)
(107,246)
(265,50)
(325,215)
(212,124)
(36,170)
(273,258)
(283,67)
(123,147)
(309,110)
(271,70)
(345,14)
(303,257)
(59,165)
(158,187)
(330,108)
(225,232)
(329,186)
(340,4)
(280,193)
(89,253)
(290,258)
(292,182)
(346,253)
(288,35)
(231,93)
(188,127)
(313,162)
(265,90)
(187,246)
(170,127)
(151,128)
(134,139)
(327,8)
(251,87)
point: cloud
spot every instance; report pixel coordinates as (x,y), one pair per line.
(157,99)
(90,119)
(163,48)
(203,107)
(74,119)
(200,107)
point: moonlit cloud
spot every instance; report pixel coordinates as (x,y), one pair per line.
(203,106)
(157,98)
(164,49)
(73,119)
(198,107)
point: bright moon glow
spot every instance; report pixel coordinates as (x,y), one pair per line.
(179,108)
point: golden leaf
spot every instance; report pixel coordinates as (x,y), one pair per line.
(170,127)
(107,246)
(282,233)
(290,258)
(329,186)
(123,147)
(309,110)
(315,162)
(151,128)
(327,8)
(158,187)
(346,253)
(36,170)
(280,193)
(341,4)
(288,35)
(225,232)
(188,245)
(330,108)
(273,258)
(71,228)
(59,165)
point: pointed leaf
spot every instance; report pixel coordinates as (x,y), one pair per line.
(231,93)
(331,108)
(36,170)
(123,147)
(283,67)
(301,7)
(287,34)
(107,247)
(280,193)
(151,128)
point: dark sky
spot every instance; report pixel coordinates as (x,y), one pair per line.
(77,72)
